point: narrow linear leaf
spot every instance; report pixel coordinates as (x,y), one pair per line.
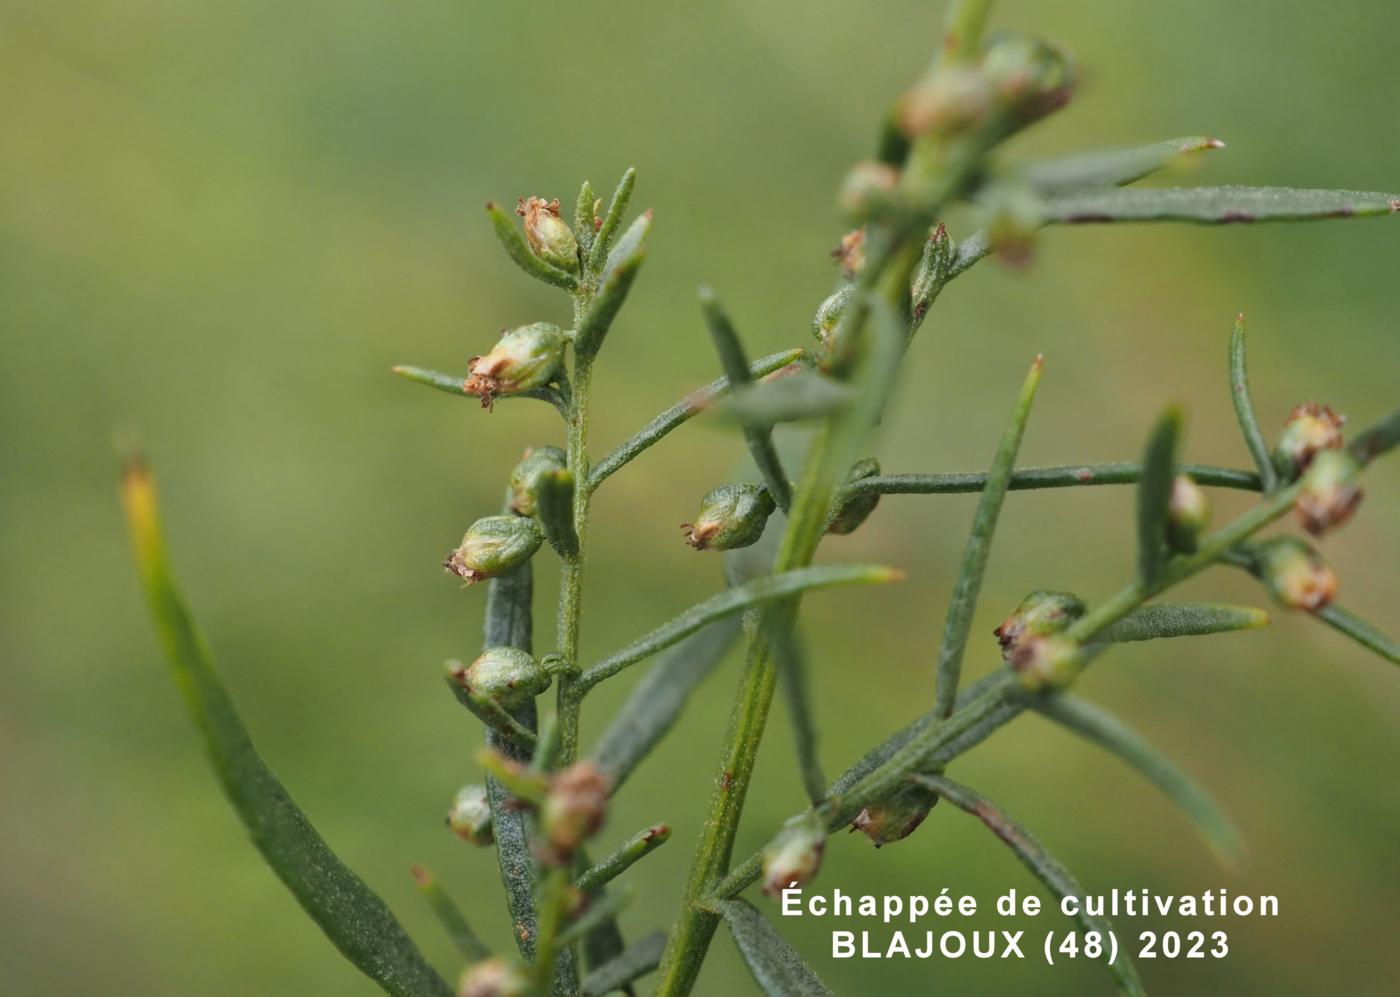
(1244,408)
(621,270)
(641,844)
(1031,478)
(656,702)
(1154,495)
(449,915)
(678,414)
(796,397)
(454,385)
(882,752)
(598,252)
(735,365)
(789,655)
(1215,205)
(1366,634)
(731,601)
(1034,856)
(604,942)
(1377,439)
(1181,619)
(640,958)
(772,962)
(352,915)
(554,504)
(1113,167)
(1101,727)
(583,218)
(958,623)
(514,243)
(509,623)
(602,909)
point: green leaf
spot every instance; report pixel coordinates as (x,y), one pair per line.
(1359,630)
(554,504)
(352,915)
(1244,408)
(958,623)
(600,911)
(791,659)
(508,623)
(656,702)
(614,284)
(583,218)
(1214,205)
(450,916)
(1154,495)
(677,415)
(641,844)
(1376,439)
(1034,856)
(736,367)
(1113,167)
(774,965)
(731,601)
(1181,619)
(454,385)
(1110,733)
(794,397)
(598,252)
(641,958)
(514,243)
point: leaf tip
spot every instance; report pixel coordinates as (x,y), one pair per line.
(1214,143)
(421,876)
(1395,205)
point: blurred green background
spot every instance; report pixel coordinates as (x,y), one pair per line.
(221,223)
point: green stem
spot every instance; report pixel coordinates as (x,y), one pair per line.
(1030,478)
(570,694)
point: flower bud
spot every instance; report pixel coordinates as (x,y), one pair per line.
(1295,574)
(895,817)
(948,100)
(548,235)
(1012,217)
(1040,614)
(1046,663)
(494,977)
(794,856)
(493,545)
(730,516)
(470,816)
(865,185)
(857,509)
(851,253)
(829,313)
(1188,513)
(573,810)
(1331,491)
(525,478)
(524,358)
(506,675)
(1030,78)
(1308,430)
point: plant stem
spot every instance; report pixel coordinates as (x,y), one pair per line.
(1030,478)
(1003,700)
(570,694)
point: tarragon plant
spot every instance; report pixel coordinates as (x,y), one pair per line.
(541,797)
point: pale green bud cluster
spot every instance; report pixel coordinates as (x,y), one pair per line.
(730,516)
